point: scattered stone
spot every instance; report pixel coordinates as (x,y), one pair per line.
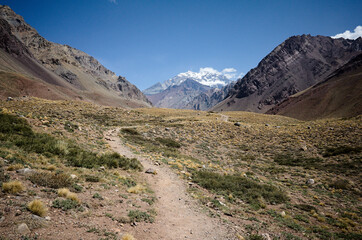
(267,124)
(102,168)
(167,129)
(2,219)
(266,236)
(228,214)
(151,171)
(26,171)
(237,124)
(73,176)
(23,229)
(309,127)
(283,214)
(9,99)
(47,218)
(310,181)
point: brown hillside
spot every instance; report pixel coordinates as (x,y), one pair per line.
(338,96)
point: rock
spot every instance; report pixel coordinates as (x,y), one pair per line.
(283,214)
(267,125)
(23,229)
(266,236)
(26,171)
(167,129)
(309,127)
(2,219)
(310,181)
(102,168)
(237,124)
(151,171)
(48,218)
(73,176)
(9,99)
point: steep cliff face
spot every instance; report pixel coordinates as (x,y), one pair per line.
(296,64)
(81,71)
(340,95)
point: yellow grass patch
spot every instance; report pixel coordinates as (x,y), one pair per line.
(38,208)
(13,187)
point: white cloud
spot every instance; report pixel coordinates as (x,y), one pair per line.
(113,1)
(350,35)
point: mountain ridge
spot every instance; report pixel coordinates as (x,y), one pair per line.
(296,64)
(80,72)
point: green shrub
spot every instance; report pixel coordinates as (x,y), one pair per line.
(240,187)
(168,142)
(334,151)
(50,179)
(65,204)
(340,184)
(130,131)
(139,216)
(291,160)
(92,178)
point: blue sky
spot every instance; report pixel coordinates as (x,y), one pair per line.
(151,41)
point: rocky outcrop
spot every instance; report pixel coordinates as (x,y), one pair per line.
(296,64)
(78,69)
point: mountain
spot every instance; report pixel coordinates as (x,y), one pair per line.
(293,66)
(340,95)
(207,100)
(31,60)
(188,86)
(206,76)
(178,96)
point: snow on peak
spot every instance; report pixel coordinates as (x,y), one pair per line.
(207,76)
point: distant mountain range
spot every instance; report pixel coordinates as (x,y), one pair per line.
(180,91)
(32,65)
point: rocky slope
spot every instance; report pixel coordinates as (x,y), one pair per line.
(293,66)
(178,96)
(207,100)
(78,71)
(340,95)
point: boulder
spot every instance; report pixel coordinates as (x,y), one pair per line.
(23,229)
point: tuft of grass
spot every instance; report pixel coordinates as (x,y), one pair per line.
(241,187)
(63,192)
(50,179)
(38,208)
(92,178)
(73,197)
(13,187)
(15,167)
(128,236)
(340,184)
(137,189)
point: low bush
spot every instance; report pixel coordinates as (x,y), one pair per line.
(340,184)
(38,208)
(130,131)
(240,187)
(13,187)
(291,160)
(63,192)
(139,216)
(128,237)
(92,178)
(168,142)
(137,189)
(334,151)
(50,179)
(65,204)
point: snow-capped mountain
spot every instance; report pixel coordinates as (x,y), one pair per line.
(206,76)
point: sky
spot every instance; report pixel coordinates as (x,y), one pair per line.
(151,41)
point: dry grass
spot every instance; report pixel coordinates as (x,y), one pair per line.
(63,192)
(13,187)
(38,208)
(128,236)
(15,167)
(73,196)
(137,189)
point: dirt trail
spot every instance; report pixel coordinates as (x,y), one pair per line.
(178,215)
